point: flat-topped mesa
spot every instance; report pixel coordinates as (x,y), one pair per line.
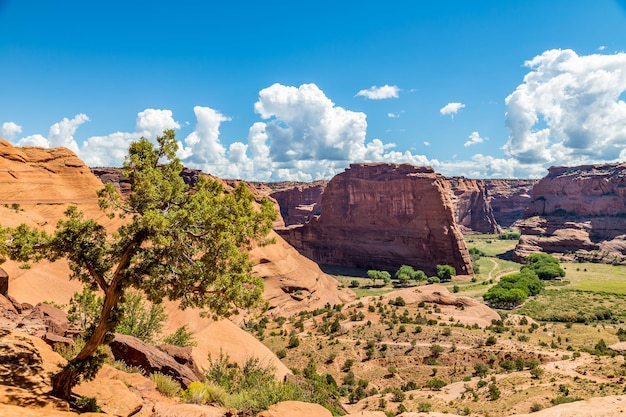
(578,210)
(381,216)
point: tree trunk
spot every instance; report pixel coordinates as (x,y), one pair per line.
(70,375)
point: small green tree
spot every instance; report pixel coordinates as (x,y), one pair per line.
(445,272)
(404,274)
(178,243)
(181,337)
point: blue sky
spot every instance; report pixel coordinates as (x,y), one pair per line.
(298,90)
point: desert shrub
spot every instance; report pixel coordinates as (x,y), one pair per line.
(562,399)
(181,337)
(354,284)
(536,407)
(294,342)
(87,405)
(435,384)
(481,369)
(399,301)
(424,407)
(494,392)
(165,384)
(122,366)
(397,395)
(281,353)
(199,393)
(491,340)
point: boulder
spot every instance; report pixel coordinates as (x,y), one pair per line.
(134,352)
(381,216)
(112,395)
(184,356)
(54,319)
(4,283)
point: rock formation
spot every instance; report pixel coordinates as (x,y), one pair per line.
(483,206)
(579,210)
(472,206)
(300,202)
(509,198)
(382,216)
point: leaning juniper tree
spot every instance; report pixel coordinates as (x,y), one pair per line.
(176,242)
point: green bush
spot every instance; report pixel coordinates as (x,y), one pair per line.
(181,337)
(199,393)
(165,384)
(435,384)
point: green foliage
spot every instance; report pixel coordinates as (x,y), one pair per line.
(545,266)
(494,392)
(563,399)
(435,384)
(85,309)
(375,275)
(87,405)
(165,384)
(514,289)
(253,388)
(445,272)
(509,236)
(181,337)
(176,243)
(294,342)
(140,319)
(536,407)
(354,283)
(424,407)
(200,393)
(398,301)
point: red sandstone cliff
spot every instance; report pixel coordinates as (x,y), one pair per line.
(382,216)
(483,206)
(472,207)
(579,210)
(509,198)
(298,202)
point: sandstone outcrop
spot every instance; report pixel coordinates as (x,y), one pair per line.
(134,352)
(300,202)
(482,206)
(578,211)
(381,216)
(472,207)
(509,198)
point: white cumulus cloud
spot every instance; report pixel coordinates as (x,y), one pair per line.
(474,138)
(8,130)
(451,109)
(380,93)
(568,110)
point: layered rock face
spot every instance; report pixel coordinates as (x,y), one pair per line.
(300,202)
(382,216)
(509,199)
(483,206)
(472,207)
(579,210)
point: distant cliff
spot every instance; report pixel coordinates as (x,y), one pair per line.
(382,216)
(483,206)
(472,206)
(509,198)
(578,211)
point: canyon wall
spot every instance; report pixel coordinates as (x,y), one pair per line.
(480,206)
(381,216)
(472,206)
(579,212)
(509,198)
